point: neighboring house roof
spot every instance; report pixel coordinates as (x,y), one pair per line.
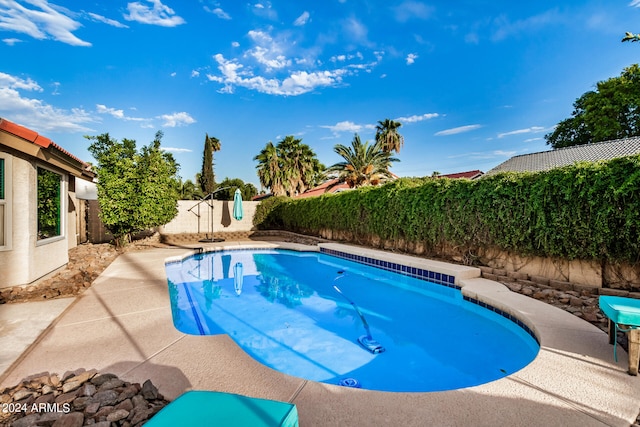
(469,175)
(324,189)
(259,197)
(552,159)
(56,154)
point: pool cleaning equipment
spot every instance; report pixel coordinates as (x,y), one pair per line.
(350,382)
(367,340)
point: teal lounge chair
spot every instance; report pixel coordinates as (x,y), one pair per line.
(210,408)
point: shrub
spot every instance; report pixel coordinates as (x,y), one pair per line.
(586,211)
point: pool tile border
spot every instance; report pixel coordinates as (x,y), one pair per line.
(504,314)
(418,273)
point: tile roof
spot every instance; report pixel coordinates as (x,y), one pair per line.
(469,175)
(323,189)
(552,159)
(34,137)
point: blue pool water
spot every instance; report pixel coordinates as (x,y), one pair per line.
(302,313)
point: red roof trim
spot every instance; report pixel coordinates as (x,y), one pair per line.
(470,174)
(34,137)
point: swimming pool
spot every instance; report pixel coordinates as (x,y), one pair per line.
(315,316)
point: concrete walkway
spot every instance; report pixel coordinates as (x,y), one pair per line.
(123,325)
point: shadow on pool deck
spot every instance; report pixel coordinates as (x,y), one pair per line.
(123,325)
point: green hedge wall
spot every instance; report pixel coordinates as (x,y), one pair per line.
(587,211)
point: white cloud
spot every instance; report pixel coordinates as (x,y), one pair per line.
(11,82)
(505,153)
(635,3)
(505,28)
(343,57)
(356,30)
(296,83)
(416,118)
(484,155)
(455,131)
(302,19)
(11,41)
(103,109)
(195,73)
(159,14)
(235,44)
(347,126)
(265,11)
(412,10)
(277,65)
(533,129)
(118,114)
(268,51)
(100,18)
(533,139)
(177,119)
(218,12)
(472,38)
(411,58)
(35,113)
(269,58)
(45,22)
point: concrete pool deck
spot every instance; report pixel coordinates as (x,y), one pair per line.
(123,325)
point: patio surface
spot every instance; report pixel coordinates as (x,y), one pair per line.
(123,325)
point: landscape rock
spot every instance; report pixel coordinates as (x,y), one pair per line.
(129,404)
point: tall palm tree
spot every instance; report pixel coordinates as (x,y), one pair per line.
(363,164)
(301,167)
(387,135)
(270,171)
(288,168)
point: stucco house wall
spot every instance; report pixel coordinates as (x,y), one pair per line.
(23,257)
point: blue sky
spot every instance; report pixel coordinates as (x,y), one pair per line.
(473,82)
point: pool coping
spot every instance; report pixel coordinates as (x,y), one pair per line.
(120,325)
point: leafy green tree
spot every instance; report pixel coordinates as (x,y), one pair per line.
(136,190)
(610,112)
(388,136)
(363,164)
(288,168)
(188,190)
(248,190)
(207,177)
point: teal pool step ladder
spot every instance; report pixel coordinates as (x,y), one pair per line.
(211,408)
(624,315)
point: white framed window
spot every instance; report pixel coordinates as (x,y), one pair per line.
(5,201)
(50,202)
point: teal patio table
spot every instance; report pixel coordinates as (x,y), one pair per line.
(624,315)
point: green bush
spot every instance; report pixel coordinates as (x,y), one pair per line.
(265,218)
(586,211)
